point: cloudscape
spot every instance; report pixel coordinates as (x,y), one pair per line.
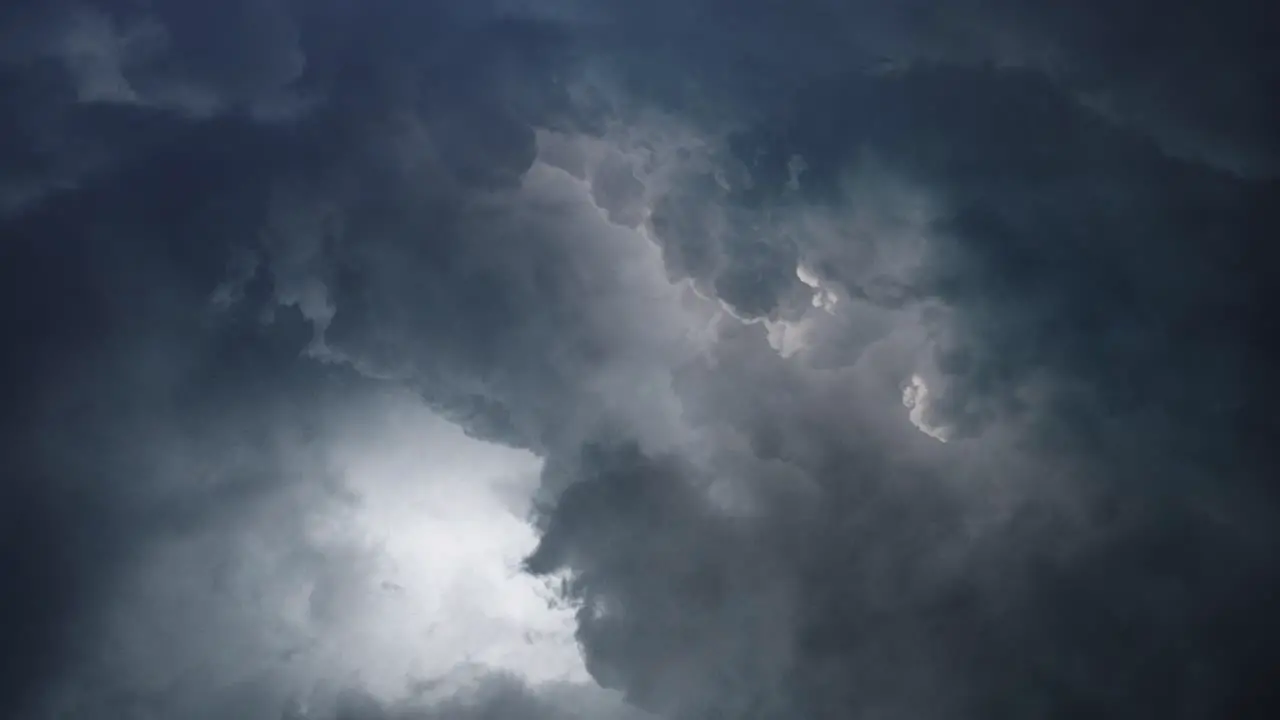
(622,360)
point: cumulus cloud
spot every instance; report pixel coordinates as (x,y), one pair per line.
(517,360)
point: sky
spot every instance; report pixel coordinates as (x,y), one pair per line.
(609,360)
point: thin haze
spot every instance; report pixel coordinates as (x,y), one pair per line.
(676,360)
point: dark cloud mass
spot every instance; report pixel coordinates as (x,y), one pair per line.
(698,360)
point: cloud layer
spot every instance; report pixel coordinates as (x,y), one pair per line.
(525,360)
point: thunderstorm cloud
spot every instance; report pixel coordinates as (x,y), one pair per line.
(620,360)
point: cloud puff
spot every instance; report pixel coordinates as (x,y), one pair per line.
(915,396)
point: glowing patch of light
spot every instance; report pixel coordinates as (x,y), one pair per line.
(445,515)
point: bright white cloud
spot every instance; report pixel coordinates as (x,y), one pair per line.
(916,397)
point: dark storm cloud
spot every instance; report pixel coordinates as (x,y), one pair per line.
(213,238)
(81,490)
(136,171)
(223,224)
(98,82)
(1102,289)
(1063,242)
(1194,77)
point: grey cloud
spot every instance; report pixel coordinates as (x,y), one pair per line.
(227,228)
(89,77)
(1060,246)
(1192,77)
(162,305)
(492,696)
(1051,229)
